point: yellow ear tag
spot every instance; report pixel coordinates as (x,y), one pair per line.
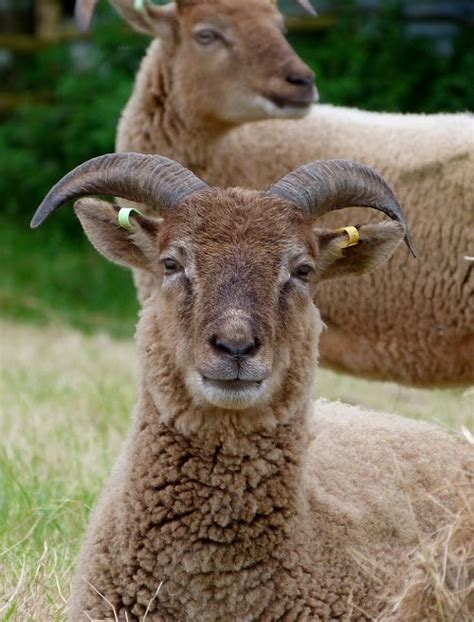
(139,6)
(124,217)
(353,236)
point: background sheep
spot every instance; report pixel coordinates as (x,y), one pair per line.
(235,497)
(191,102)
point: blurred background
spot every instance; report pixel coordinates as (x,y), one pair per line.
(61,94)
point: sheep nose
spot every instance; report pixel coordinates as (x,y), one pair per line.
(300,79)
(235,347)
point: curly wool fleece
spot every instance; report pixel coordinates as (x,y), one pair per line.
(310,520)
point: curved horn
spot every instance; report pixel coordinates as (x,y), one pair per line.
(151,179)
(83,12)
(323,186)
(307,6)
(142,14)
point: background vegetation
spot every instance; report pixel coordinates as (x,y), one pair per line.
(365,59)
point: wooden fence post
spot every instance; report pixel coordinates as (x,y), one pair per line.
(48,17)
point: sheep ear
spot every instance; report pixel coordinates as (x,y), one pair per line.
(157,21)
(134,248)
(375,245)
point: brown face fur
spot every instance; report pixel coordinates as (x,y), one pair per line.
(243,68)
(232,57)
(230,331)
(238,292)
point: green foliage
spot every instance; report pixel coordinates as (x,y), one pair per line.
(368,61)
(56,277)
(85,86)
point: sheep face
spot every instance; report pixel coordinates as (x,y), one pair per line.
(234,276)
(230,326)
(232,57)
(243,68)
(239,293)
(232,318)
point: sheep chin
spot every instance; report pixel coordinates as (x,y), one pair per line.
(215,393)
(260,107)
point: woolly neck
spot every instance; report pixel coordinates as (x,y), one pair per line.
(221,502)
(213,515)
(177,130)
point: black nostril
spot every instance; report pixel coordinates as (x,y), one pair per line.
(299,79)
(235,348)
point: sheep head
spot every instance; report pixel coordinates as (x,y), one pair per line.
(236,271)
(231,57)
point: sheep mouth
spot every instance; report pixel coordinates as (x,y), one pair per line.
(234,393)
(235,384)
(290,102)
(301,100)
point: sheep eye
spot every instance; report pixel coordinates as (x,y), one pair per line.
(206,37)
(302,272)
(171,266)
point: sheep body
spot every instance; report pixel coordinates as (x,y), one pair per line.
(417,316)
(235,530)
(250,527)
(235,497)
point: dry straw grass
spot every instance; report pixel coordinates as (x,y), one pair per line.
(440,587)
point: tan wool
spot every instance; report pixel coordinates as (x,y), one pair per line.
(227,110)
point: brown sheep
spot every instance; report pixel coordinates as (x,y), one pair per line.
(236,497)
(220,63)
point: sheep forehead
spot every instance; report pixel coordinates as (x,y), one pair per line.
(230,12)
(228,224)
(231,7)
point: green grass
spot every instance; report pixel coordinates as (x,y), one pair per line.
(49,276)
(65,407)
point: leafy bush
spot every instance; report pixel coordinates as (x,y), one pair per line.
(86,86)
(367,60)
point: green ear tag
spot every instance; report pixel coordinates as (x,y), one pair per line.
(124,217)
(139,6)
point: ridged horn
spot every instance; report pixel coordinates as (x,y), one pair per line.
(154,180)
(323,186)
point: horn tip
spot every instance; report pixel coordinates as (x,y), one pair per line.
(83,15)
(37,220)
(82,25)
(411,246)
